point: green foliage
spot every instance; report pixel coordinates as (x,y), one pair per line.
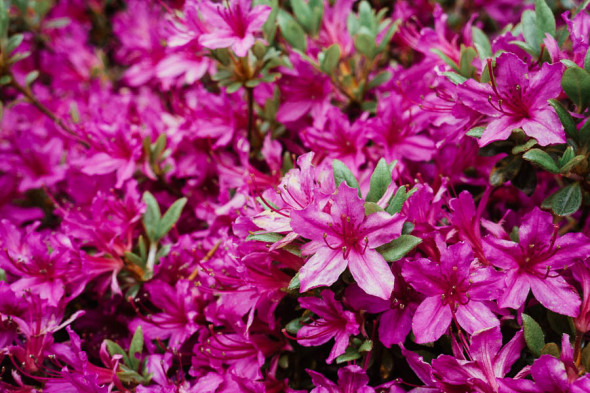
(156,226)
(398,248)
(533,335)
(343,174)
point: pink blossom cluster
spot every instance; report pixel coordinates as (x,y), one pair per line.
(326,196)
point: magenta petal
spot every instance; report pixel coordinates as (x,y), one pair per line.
(485,344)
(517,289)
(545,128)
(536,228)
(311,223)
(509,354)
(556,294)
(431,320)
(371,273)
(498,130)
(394,326)
(424,276)
(549,372)
(381,228)
(475,316)
(322,269)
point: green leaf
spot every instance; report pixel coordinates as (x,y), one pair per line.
(482,43)
(455,78)
(572,163)
(3,19)
(303,13)
(151,217)
(133,258)
(265,237)
(5,79)
(330,59)
(31,76)
(533,335)
(476,132)
(317,12)
(466,67)
(542,159)
(348,356)
(170,217)
(388,35)
(530,31)
(380,180)
(14,42)
(366,346)
(524,147)
(343,174)
(446,59)
(294,326)
(545,19)
(398,248)
(136,347)
(550,349)
(566,119)
(270,26)
(233,87)
(397,202)
(567,200)
(587,61)
(567,156)
(372,207)
(576,84)
(379,79)
(294,284)
(292,31)
(365,44)
(115,349)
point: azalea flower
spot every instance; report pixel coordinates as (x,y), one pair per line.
(334,323)
(456,289)
(233,25)
(533,264)
(516,98)
(345,237)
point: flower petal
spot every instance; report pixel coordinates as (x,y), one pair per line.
(431,320)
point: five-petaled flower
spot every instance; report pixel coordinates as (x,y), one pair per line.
(343,237)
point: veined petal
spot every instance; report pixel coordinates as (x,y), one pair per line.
(475,316)
(394,326)
(517,289)
(545,127)
(556,294)
(550,373)
(509,354)
(431,320)
(381,228)
(371,273)
(498,129)
(424,276)
(323,268)
(311,223)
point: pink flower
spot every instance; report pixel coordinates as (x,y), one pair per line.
(456,289)
(345,237)
(532,263)
(517,98)
(233,26)
(334,323)
(350,379)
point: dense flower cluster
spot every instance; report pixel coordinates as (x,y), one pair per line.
(291,196)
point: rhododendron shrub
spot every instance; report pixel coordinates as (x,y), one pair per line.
(221,196)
